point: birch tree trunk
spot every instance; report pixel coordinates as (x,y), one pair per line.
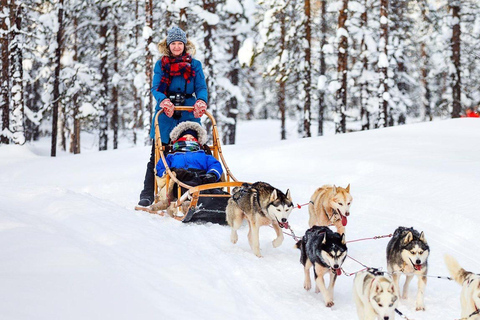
(455,76)
(364,91)
(209,5)
(75,134)
(282,86)
(56,81)
(425,82)
(104,105)
(5,84)
(323,66)
(148,60)
(383,65)
(425,70)
(114,121)
(340,124)
(307,114)
(232,104)
(16,58)
(137,102)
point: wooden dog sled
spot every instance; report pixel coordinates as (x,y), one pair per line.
(203,203)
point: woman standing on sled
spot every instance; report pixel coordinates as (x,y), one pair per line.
(178,80)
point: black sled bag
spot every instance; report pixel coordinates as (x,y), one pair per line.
(209,209)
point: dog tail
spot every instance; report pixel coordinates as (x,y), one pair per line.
(298,245)
(303,251)
(457,272)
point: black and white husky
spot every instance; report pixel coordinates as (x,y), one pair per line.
(325,251)
(407,252)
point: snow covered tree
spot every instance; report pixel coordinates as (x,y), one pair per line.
(273,52)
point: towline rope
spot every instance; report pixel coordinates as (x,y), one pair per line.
(401,314)
(292,234)
(399,272)
(372,238)
(414,274)
(299,206)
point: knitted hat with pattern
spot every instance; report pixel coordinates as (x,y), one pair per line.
(176,34)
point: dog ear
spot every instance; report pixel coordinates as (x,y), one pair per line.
(343,239)
(391,288)
(334,189)
(408,238)
(348,188)
(273,196)
(289,197)
(422,237)
(324,239)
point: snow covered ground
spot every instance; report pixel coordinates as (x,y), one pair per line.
(71,246)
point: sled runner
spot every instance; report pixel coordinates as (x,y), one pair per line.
(186,203)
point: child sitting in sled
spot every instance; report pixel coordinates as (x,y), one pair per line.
(187,161)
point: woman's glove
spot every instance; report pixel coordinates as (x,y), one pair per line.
(199,108)
(167,107)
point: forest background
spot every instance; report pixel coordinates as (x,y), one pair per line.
(73,66)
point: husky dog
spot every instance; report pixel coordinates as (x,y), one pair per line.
(470,296)
(375,294)
(261,204)
(330,205)
(407,252)
(325,250)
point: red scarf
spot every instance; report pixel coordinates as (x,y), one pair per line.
(175,66)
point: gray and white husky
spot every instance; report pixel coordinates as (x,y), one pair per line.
(260,204)
(375,294)
(407,252)
(326,251)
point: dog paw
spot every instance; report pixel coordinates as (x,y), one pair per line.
(329,304)
(258,254)
(420,307)
(234,237)
(307,286)
(405,296)
(277,242)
